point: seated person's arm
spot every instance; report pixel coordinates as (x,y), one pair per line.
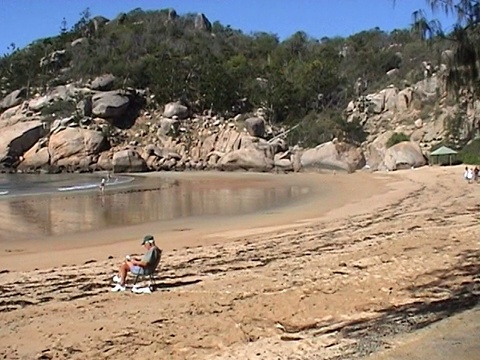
(137,261)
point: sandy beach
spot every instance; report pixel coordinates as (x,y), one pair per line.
(358,265)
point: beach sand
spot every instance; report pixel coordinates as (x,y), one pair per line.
(347,271)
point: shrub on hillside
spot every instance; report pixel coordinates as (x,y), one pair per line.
(397,138)
(58,110)
(470,154)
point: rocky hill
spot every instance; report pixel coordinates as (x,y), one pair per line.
(308,113)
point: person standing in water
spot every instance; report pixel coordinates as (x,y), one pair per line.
(102,185)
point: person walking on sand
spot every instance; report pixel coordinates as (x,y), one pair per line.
(468,174)
(475,173)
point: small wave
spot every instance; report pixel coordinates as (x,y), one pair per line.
(89,186)
(78,187)
(3,193)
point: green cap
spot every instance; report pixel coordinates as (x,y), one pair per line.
(147,238)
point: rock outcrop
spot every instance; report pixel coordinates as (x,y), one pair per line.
(202,23)
(128,160)
(419,111)
(255,126)
(110,104)
(14,98)
(69,146)
(15,140)
(404,155)
(333,156)
(103,83)
(254,158)
(54,59)
(80,132)
(175,109)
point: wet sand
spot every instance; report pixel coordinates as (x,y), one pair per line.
(337,276)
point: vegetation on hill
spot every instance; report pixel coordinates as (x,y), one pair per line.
(464,67)
(298,81)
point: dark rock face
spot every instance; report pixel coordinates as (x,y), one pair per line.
(18,138)
(202,23)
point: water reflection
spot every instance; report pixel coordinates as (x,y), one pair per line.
(54,215)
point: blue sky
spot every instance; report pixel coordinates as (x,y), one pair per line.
(22,21)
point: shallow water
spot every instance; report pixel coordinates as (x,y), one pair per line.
(12,185)
(42,209)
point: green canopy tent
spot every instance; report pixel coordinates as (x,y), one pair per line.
(443,152)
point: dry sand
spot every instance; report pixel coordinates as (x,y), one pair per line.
(340,275)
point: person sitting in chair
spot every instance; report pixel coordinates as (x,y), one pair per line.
(138,266)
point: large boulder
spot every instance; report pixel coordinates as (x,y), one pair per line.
(13,99)
(68,146)
(15,115)
(103,82)
(376,102)
(404,99)
(63,92)
(172,15)
(283,161)
(84,107)
(175,109)
(39,102)
(168,126)
(227,140)
(202,23)
(388,99)
(58,93)
(79,42)
(128,160)
(404,155)
(375,152)
(36,158)
(55,59)
(105,161)
(110,104)
(390,94)
(250,158)
(333,156)
(255,126)
(98,22)
(18,138)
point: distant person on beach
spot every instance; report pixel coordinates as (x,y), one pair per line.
(468,174)
(102,185)
(136,265)
(475,173)
(109,176)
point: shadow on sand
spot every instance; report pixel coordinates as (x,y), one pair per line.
(171,285)
(453,291)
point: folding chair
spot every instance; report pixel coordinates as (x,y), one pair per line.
(150,274)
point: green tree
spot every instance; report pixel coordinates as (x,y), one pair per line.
(397,138)
(81,24)
(464,70)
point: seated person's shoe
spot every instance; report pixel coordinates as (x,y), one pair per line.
(118,287)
